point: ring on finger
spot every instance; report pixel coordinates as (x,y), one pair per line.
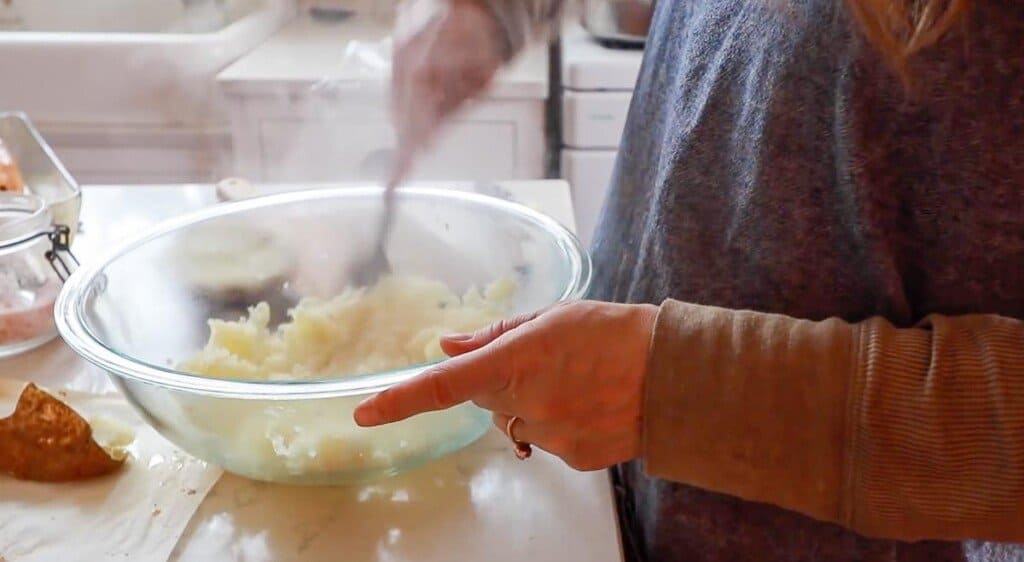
(523,450)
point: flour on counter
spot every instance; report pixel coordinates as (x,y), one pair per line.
(138,513)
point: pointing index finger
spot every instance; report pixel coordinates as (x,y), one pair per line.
(448,384)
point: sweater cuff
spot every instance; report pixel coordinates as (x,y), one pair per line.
(749,404)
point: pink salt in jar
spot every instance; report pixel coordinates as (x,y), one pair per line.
(29,280)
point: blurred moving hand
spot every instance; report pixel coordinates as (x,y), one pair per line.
(438,68)
(451,55)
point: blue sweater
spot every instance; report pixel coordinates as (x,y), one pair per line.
(772,161)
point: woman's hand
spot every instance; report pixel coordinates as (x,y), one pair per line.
(573,375)
(448,61)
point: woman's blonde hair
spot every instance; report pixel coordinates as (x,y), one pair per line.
(902,28)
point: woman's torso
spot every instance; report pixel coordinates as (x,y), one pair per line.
(773,162)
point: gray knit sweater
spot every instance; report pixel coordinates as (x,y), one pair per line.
(773,162)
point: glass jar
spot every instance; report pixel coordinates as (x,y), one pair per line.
(34,262)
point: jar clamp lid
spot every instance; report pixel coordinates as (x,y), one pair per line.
(25,219)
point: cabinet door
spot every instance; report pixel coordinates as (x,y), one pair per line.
(304,150)
(589,173)
(301,137)
(594,119)
(100,155)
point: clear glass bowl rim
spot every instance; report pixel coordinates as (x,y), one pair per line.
(72,326)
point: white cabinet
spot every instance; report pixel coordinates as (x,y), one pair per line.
(279,140)
(594,119)
(597,89)
(109,154)
(589,174)
(287,126)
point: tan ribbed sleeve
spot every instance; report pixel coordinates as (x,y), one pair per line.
(898,433)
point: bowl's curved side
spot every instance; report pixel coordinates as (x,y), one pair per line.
(89,281)
(300,442)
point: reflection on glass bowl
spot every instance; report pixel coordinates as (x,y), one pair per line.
(140,320)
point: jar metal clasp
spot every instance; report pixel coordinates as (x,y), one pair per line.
(59,255)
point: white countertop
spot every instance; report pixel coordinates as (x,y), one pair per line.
(478,504)
(307,52)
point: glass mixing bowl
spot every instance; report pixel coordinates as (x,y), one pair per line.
(143,309)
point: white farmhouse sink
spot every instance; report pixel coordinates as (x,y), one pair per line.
(126,62)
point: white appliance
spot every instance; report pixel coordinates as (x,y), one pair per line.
(596,90)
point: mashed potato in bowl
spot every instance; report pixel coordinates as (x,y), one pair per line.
(396,324)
